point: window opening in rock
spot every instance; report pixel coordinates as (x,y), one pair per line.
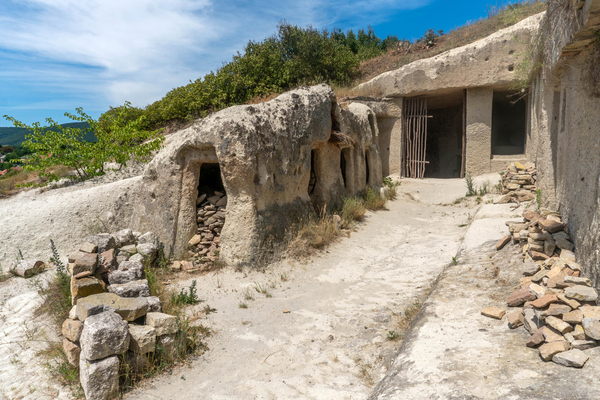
(509,124)
(210,212)
(313,176)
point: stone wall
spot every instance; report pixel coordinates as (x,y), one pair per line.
(266,153)
(565,140)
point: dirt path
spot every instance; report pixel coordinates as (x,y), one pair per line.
(333,342)
(453,352)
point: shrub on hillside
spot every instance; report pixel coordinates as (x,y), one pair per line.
(54,144)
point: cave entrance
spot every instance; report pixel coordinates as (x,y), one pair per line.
(210,211)
(445,132)
(509,124)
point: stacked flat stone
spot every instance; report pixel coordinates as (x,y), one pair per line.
(110,263)
(554,303)
(211,210)
(105,334)
(519,182)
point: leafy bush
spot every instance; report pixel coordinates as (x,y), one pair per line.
(119,139)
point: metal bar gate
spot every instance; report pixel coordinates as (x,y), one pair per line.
(415,137)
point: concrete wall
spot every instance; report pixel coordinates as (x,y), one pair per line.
(479,130)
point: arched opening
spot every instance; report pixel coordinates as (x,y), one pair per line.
(210,211)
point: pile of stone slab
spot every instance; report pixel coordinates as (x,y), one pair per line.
(113,314)
(211,209)
(519,182)
(556,305)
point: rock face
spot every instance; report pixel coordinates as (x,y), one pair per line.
(482,63)
(267,154)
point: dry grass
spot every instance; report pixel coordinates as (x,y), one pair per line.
(262,99)
(374,200)
(498,18)
(314,233)
(17,181)
(353,210)
(353,91)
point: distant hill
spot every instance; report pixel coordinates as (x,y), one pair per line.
(15,136)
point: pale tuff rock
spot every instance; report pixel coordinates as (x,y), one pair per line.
(104,335)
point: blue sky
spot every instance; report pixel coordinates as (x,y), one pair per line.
(56,55)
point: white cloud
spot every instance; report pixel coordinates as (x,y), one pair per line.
(138,50)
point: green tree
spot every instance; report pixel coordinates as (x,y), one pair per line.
(121,139)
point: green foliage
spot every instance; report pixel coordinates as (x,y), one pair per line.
(393,336)
(186,297)
(430,36)
(294,56)
(471,191)
(538,198)
(120,139)
(352,210)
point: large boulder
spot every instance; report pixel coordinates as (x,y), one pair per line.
(104,335)
(99,379)
(265,153)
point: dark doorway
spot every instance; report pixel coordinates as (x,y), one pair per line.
(312,182)
(444,137)
(210,179)
(509,124)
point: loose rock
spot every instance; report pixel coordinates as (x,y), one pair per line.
(104,335)
(100,379)
(572,358)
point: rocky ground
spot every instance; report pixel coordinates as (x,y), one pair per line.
(453,351)
(319,329)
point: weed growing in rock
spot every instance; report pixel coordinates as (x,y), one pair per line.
(188,341)
(243,305)
(57,294)
(471,191)
(186,297)
(393,336)
(248,295)
(538,198)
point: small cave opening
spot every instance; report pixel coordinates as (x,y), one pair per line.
(312,182)
(367,172)
(211,208)
(343,167)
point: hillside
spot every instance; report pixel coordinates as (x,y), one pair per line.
(10,136)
